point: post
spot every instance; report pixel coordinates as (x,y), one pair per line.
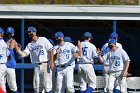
(22,61)
(114,26)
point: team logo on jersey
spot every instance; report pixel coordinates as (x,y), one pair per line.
(65,51)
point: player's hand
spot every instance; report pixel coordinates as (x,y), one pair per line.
(125,73)
(52,66)
(12,44)
(98,51)
(58,50)
(18,47)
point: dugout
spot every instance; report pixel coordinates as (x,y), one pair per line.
(74,20)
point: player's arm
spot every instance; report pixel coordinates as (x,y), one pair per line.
(21,53)
(51,59)
(126,60)
(99,55)
(56,54)
(79,52)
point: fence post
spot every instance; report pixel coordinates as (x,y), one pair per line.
(22,61)
(114,26)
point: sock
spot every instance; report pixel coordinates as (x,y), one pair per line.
(82,91)
(49,92)
(89,90)
(116,91)
(15,91)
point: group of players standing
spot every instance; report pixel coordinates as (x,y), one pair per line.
(47,56)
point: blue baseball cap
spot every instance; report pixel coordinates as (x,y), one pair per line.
(31,29)
(87,34)
(1,31)
(112,41)
(59,34)
(51,41)
(114,35)
(67,39)
(10,30)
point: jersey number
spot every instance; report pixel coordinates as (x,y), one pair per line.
(41,52)
(67,56)
(85,51)
(117,63)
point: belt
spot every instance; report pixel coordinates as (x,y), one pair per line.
(63,66)
(2,63)
(41,63)
(84,63)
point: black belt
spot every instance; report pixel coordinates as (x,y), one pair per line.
(62,66)
(2,63)
(41,63)
(84,63)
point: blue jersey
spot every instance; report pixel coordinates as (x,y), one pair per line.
(12,62)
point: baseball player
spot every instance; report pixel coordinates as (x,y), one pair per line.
(11,64)
(85,65)
(64,55)
(118,64)
(104,50)
(4,55)
(39,49)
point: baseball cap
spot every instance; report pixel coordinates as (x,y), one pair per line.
(31,29)
(59,34)
(87,34)
(112,41)
(67,39)
(114,35)
(10,30)
(1,31)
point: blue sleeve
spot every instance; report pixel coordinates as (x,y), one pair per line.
(17,56)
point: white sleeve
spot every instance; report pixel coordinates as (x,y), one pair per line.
(94,53)
(73,48)
(125,56)
(106,57)
(26,51)
(48,45)
(119,45)
(7,52)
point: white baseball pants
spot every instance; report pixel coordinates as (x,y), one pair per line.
(42,79)
(121,80)
(67,75)
(87,76)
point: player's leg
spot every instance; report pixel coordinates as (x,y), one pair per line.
(117,87)
(2,77)
(106,78)
(11,79)
(90,78)
(63,86)
(112,79)
(69,79)
(36,82)
(46,78)
(83,84)
(123,84)
(59,80)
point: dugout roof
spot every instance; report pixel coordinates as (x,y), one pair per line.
(85,12)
